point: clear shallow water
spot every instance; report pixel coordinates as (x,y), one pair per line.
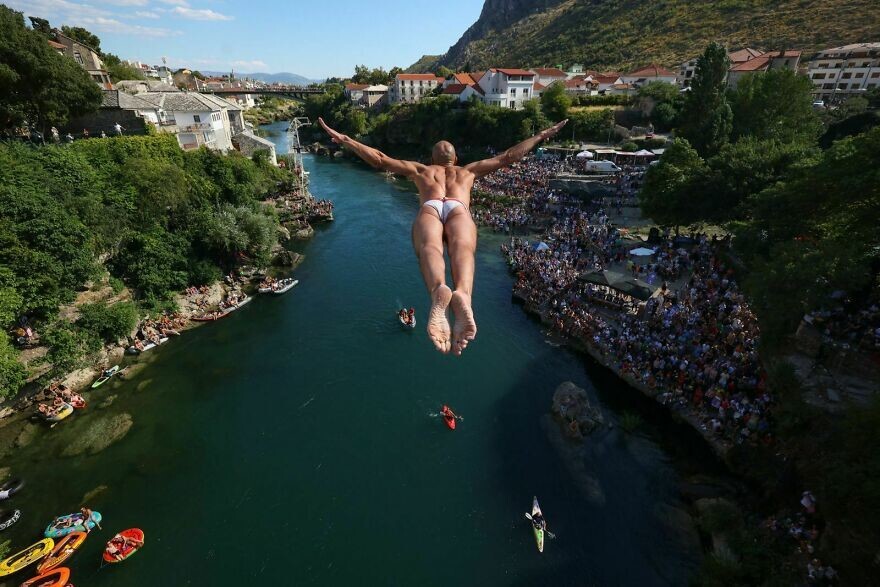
(294,442)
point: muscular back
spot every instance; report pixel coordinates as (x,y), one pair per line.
(436,182)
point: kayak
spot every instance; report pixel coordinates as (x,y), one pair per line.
(26,557)
(64,549)
(539,532)
(58,527)
(10,488)
(448,417)
(406,324)
(127,550)
(8,518)
(54,578)
(65,410)
(105,376)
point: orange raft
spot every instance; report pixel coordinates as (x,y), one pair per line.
(124,549)
(64,549)
(54,578)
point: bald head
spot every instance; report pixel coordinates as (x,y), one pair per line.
(443,153)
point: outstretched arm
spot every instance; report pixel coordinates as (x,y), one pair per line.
(513,154)
(374,157)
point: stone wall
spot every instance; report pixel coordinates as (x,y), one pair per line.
(249,143)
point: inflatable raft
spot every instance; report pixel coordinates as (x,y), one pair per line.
(64,525)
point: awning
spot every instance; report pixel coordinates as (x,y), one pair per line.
(642,252)
(542,246)
(585,155)
(635,288)
(644,153)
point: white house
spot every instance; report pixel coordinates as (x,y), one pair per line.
(547,75)
(197,119)
(355,92)
(604,81)
(844,71)
(508,88)
(580,85)
(412,87)
(688,69)
(765,62)
(463,92)
(374,95)
(574,70)
(646,75)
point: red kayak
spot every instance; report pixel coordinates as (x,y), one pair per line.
(123,545)
(448,417)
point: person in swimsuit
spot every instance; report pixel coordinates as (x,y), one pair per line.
(444,216)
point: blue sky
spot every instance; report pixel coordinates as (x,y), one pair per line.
(315,38)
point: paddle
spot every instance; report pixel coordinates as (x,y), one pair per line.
(549,534)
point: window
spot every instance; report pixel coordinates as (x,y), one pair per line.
(525,91)
(846,75)
(841,86)
(78,57)
(827,86)
(197,118)
(513,91)
(859,74)
(818,76)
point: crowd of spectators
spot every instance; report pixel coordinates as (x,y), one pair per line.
(694,346)
(856,324)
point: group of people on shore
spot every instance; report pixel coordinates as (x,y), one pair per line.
(694,346)
(55,398)
(856,324)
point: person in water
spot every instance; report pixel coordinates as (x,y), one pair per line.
(444,216)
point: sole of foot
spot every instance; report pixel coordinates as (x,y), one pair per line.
(465,329)
(438,328)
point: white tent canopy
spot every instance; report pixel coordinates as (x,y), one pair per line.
(585,155)
(642,252)
(644,153)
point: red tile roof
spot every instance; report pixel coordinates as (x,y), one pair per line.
(744,55)
(549,72)
(464,78)
(356,87)
(505,71)
(455,89)
(418,77)
(539,87)
(757,64)
(605,79)
(652,70)
(55,45)
(477,75)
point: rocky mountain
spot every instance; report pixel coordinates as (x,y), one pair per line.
(620,34)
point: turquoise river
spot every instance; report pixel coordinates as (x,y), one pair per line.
(296,442)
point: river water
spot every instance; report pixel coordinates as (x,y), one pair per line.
(296,442)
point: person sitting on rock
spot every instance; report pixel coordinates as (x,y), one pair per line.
(444,216)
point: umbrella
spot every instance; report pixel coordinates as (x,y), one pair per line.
(642,252)
(644,153)
(542,246)
(584,155)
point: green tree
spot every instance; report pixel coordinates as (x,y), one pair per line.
(83,36)
(774,105)
(555,101)
(670,195)
(706,117)
(109,323)
(119,70)
(12,372)
(39,86)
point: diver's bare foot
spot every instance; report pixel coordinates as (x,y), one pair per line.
(465,329)
(438,319)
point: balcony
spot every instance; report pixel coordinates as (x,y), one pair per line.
(196,127)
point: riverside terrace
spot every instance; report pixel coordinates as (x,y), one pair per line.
(674,325)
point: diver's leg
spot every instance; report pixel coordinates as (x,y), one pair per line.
(461,240)
(427,236)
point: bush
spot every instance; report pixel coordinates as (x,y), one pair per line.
(67,348)
(12,373)
(116,285)
(203,272)
(108,323)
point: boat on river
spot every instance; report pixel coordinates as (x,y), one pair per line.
(218,314)
(63,411)
(279,287)
(124,548)
(64,525)
(539,529)
(26,557)
(63,550)
(105,376)
(55,578)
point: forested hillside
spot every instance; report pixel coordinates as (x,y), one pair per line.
(621,34)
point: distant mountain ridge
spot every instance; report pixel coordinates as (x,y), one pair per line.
(283,77)
(623,34)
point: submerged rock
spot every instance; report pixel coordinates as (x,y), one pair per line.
(99,435)
(573,411)
(91,495)
(572,456)
(108,401)
(26,436)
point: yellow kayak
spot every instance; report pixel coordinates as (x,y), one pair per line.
(26,557)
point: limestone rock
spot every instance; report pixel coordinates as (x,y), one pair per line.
(108,401)
(572,409)
(99,435)
(26,436)
(287,259)
(91,495)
